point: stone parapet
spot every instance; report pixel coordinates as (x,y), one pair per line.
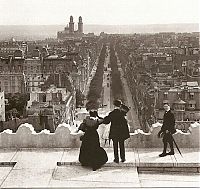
(26,137)
(141,139)
(65,137)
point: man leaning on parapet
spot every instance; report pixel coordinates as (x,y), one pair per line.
(167,130)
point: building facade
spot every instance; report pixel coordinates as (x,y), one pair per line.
(184,101)
(12,79)
(2,107)
(8,48)
(47,109)
(33,74)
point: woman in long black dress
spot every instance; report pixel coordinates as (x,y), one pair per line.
(91,154)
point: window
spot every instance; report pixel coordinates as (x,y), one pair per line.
(44,98)
(165,95)
(191,116)
(191,96)
(6,89)
(179,95)
(192,106)
(13,89)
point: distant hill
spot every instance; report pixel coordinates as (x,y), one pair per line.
(33,32)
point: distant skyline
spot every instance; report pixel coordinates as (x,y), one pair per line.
(103,12)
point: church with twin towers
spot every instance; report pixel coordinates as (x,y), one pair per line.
(69,31)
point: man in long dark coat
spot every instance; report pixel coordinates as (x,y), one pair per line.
(167,130)
(119,131)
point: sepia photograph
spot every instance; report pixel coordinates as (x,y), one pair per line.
(99,94)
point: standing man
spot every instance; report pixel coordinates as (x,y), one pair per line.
(119,131)
(167,130)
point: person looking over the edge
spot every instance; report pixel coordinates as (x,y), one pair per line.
(119,131)
(91,153)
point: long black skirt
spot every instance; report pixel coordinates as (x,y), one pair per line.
(91,154)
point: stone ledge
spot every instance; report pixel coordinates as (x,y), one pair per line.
(169,169)
(7,164)
(150,164)
(192,165)
(110,164)
(159,167)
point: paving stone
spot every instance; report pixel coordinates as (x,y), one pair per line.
(38,168)
(28,178)
(70,155)
(190,156)
(103,177)
(38,158)
(7,155)
(192,177)
(169,184)
(77,184)
(4,171)
(150,157)
(169,180)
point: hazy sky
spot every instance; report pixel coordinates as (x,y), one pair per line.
(22,12)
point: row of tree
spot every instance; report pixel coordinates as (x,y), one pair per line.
(79,98)
(16,106)
(138,83)
(117,87)
(95,89)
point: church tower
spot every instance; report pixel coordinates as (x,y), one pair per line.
(80,25)
(71,25)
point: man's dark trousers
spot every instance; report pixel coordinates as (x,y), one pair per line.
(122,149)
(167,138)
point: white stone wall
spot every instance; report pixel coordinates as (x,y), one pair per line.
(65,137)
(150,140)
(26,137)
